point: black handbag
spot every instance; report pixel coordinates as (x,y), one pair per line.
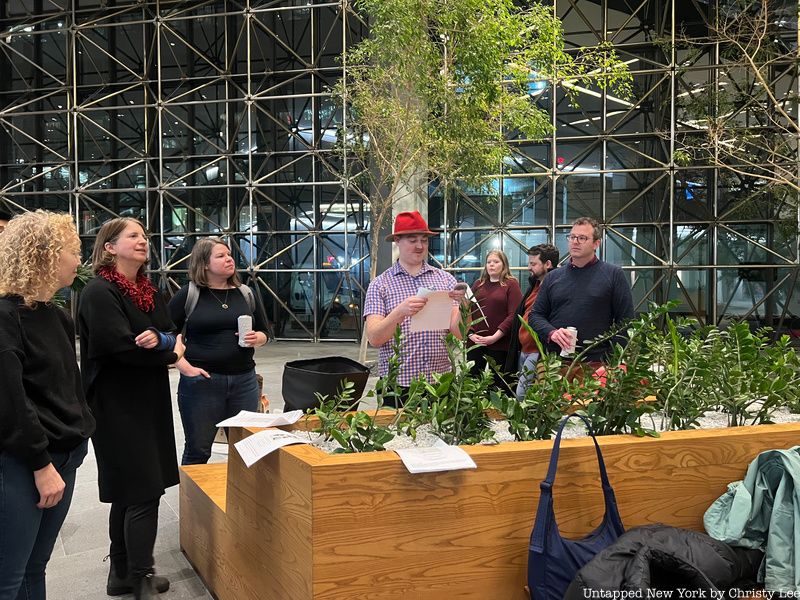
(552,560)
(302,379)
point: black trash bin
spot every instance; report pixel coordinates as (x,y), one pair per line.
(303,379)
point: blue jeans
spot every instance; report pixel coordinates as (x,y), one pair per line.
(527,372)
(28,533)
(204,402)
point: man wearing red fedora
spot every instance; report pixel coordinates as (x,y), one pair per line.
(392,298)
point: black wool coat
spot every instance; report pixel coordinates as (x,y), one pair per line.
(128,391)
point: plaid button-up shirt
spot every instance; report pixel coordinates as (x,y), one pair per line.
(422,351)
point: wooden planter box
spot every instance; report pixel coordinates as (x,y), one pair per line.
(301,524)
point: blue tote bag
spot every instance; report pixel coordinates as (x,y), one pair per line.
(554,561)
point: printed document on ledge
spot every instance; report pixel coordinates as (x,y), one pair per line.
(258,445)
(440,457)
(435,315)
(247,418)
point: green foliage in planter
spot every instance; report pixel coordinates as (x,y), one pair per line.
(537,415)
(358,431)
(750,377)
(355,431)
(680,367)
(455,404)
(387,387)
(617,404)
(657,363)
(785,371)
(690,370)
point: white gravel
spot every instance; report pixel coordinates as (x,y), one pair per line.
(426,438)
(710,420)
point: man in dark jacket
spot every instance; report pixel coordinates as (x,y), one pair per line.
(522,351)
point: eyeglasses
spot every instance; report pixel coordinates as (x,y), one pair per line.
(577,238)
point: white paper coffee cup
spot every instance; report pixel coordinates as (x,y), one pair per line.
(245,323)
(571,349)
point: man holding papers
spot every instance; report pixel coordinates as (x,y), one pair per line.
(401,292)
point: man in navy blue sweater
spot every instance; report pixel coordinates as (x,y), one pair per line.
(586,293)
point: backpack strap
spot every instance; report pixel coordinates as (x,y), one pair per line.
(192,296)
(249,296)
(257,306)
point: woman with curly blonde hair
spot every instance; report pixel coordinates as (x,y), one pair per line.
(44,419)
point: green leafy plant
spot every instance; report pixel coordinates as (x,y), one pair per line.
(354,430)
(455,403)
(656,363)
(546,400)
(387,387)
(751,377)
(618,393)
(679,370)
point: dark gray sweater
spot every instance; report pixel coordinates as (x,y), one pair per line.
(591,299)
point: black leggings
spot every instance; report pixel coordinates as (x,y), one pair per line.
(132,530)
(479,354)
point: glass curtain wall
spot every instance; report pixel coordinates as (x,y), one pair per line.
(696,231)
(214,118)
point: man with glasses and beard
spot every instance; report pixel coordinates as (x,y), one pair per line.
(586,293)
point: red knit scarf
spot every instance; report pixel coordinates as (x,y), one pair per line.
(142,293)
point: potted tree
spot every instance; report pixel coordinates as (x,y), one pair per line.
(432,97)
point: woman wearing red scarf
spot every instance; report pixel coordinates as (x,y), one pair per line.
(125,352)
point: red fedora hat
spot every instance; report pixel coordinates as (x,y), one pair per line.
(407,223)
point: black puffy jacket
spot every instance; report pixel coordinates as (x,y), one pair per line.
(659,557)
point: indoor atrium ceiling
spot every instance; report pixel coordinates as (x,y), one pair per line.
(215,117)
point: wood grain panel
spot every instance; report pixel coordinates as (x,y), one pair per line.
(269,512)
(348,527)
(206,538)
(211,479)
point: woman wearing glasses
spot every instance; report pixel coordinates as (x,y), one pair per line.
(125,352)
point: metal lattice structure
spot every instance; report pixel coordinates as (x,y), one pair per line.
(214,117)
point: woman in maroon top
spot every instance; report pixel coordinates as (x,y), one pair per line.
(497,295)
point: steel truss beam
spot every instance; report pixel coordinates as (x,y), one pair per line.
(213,117)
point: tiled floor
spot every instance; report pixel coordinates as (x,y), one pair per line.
(77,570)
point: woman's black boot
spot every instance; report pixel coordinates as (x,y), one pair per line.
(143,588)
(119,583)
